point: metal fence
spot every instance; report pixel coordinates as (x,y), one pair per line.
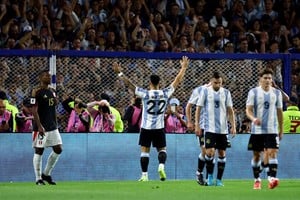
(87,74)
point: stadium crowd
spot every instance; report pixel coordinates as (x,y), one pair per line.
(142,25)
(202,26)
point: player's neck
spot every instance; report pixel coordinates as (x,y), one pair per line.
(266,88)
(154,87)
(43,85)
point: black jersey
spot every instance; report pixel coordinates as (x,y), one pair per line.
(46,101)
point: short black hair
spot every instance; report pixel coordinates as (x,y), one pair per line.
(3,95)
(43,71)
(105,97)
(266,71)
(216,75)
(154,79)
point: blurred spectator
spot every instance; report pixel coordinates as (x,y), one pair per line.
(245,126)
(79,119)
(103,119)
(175,120)
(118,123)
(133,115)
(291,117)
(217,18)
(9,108)
(295,44)
(6,118)
(24,117)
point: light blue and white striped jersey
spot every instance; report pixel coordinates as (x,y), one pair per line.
(215,104)
(193,100)
(265,106)
(154,106)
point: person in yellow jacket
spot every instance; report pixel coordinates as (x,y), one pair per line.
(119,125)
(9,107)
(291,117)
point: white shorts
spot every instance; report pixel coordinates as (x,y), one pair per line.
(50,139)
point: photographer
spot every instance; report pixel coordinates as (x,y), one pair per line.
(79,119)
(6,119)
(175,121)
(104,120)
(25,117)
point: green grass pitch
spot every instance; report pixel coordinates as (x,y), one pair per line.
(152,190)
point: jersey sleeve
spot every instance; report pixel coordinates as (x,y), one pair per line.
(194,97)
(250,98)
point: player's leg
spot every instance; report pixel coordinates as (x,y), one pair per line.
(210,141)
(272,146)
(38,142)
(37,165)
(144,162)
(55,141)
(265,163)
(159,141)
(221,145)
(201,162)
(256,145)
(145,143)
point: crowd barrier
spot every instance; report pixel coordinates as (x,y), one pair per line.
(102,156)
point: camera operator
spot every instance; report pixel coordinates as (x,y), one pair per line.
(104,120)
(25,117)
(6,119)
(79,119)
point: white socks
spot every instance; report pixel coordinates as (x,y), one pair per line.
(52,160)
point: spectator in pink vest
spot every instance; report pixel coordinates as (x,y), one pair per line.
(104,120)
(6,120)
(24,118)
(175,122)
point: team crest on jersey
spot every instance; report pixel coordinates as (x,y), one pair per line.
(32,101)
(45,96)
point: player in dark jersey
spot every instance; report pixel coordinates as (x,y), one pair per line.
(45,129)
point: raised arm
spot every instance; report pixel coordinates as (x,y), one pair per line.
(127,81)
(184,62)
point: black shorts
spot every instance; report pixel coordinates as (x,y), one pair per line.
(215,140)
(155,136)
(201,139)
(258,142)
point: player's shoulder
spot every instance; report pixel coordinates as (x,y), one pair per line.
(35,90)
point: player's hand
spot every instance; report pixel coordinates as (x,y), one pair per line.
(41,131)
(233,132)
(116,67)
(198,130)
(190,126)
(184,62)
(257,122)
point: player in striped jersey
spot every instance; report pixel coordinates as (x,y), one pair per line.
(154,103)
(201,158)
(218,110)
(264,109)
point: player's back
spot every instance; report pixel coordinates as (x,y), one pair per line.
(154,106)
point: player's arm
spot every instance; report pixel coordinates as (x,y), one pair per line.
(188,111)
(127,81)
(34,111)
(250,115)
(184,62)
(231,117)
(197,119)
(280,122)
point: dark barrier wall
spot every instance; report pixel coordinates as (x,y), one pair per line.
(116,157)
